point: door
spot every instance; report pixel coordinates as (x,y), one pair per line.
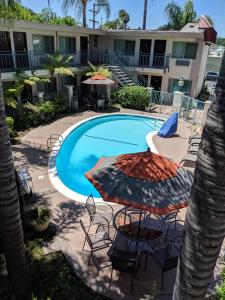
(145,52)
(6,61)
(84,49)
(156,82)
(159,53)
(20,42)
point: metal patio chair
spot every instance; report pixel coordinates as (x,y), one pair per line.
(167,258)
(98,241)
(124,261)
(101,214)
(174,229)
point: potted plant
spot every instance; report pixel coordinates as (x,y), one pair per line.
(39,218)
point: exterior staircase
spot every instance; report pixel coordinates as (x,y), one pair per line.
(121,75)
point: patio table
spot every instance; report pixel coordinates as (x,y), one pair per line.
(126,221)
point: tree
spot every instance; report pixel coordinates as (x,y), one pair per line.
(189,14)
(178,17)
(58,64)
(113,24)
(98,70)
(124,17)
(204,230)
(81,6)
(145,14)
(46,15)
(174,14)
(11,231)
(15,91)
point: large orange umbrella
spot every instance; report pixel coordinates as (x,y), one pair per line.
(143,180)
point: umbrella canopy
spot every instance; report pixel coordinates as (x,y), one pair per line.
(99,80)
(143,180)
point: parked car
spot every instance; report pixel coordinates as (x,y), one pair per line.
(211,76)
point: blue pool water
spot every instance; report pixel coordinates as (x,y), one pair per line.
(103,136)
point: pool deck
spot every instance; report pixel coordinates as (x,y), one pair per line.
(31,153)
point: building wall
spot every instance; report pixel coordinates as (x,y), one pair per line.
(194,72)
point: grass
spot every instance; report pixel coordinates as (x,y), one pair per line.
(52,278)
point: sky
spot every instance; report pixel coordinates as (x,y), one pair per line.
(155,16)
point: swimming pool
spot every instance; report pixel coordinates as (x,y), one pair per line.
(106,135)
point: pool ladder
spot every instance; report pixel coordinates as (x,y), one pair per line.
(55,140)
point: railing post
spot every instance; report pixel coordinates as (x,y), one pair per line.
(150,90)
(205,112)
(177,101)
(187,109)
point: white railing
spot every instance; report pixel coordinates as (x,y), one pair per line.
(189,109)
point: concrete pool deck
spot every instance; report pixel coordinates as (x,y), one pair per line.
(32,153)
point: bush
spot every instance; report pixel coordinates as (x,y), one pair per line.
(136,97)
(10,124)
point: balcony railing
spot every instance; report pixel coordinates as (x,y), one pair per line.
(156,61)
(33,60)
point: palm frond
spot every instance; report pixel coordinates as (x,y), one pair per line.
(64,71)
(10,101)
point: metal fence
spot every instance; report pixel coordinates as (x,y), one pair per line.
(192,110)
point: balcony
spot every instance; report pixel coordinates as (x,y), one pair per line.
(11,61)
(155,61)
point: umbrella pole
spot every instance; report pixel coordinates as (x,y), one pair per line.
(139,228)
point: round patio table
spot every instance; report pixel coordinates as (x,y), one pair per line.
(136,225)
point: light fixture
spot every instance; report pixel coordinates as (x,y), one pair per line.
(181,82)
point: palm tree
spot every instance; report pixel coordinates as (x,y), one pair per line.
(58,64)
(204,230)
(145,14)
(15,91)
(98,70)
(81,6)
(11,232)
(124,17)
(49,6)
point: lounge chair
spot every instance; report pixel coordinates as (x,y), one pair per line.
(189,157)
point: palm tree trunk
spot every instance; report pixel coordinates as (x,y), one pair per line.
(205,220)
(145,14)
(84,8)
(11,232)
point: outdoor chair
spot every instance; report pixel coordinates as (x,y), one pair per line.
(98,241)
(101,214)
(125,262)
(100,104)
(167,258)
(174,229)
(193,148)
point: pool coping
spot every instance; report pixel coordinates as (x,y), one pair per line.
(52,171)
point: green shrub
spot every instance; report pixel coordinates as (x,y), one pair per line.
(10,124)
(47,110)
(136,97)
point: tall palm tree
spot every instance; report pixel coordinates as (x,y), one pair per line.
(49,6)
(11,232)
(204,230)
(124,17)
(81,6)
(145,14)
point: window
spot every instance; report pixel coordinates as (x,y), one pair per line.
(67,44)
(43,44)
(95,41)
(126,47)
(173,86)
(184,50)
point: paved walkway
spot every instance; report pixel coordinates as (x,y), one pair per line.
(31,153)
